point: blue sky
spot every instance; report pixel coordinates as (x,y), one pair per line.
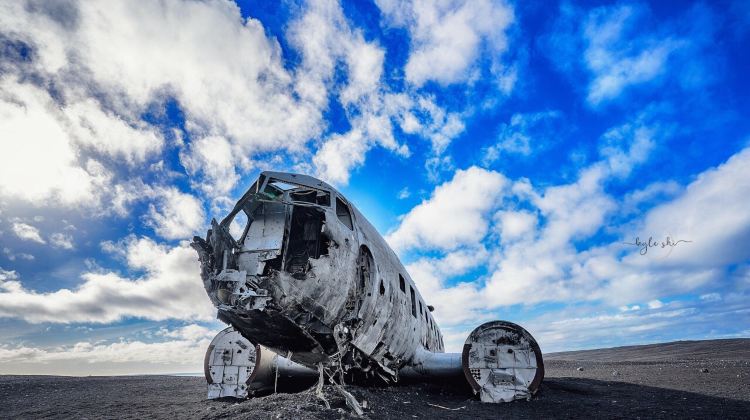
(508,151)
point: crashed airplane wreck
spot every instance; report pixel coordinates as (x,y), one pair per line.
(311,289)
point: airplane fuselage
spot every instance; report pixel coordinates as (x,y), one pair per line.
(311,277)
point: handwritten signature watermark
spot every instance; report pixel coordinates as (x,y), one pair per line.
(651,243)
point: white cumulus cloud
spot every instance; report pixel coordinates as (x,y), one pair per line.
(182,351)
(328,42)
(27,232)
(110,64)
(176,215)
(170,288)
(448,37)
(61,240)
(455,213)
(537,248)
(38,160)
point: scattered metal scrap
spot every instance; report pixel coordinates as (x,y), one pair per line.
(446,408)
(310,278)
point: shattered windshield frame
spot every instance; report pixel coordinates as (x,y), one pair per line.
(269,189)
(285,191)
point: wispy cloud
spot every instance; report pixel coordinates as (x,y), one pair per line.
(525,134)
(618,48)
(614,59)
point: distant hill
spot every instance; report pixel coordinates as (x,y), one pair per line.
(726,349)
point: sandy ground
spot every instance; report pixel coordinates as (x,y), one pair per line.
(674,380)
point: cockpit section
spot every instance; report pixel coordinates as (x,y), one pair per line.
(266,280)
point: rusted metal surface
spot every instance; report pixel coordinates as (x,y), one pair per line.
(310,278)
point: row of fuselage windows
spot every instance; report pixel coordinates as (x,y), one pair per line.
(344,215)
(423,310)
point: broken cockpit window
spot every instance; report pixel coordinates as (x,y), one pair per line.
(277,190)
(343,213)
(318,197)
(306,239)
(237,226)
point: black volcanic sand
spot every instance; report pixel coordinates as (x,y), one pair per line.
(676,380)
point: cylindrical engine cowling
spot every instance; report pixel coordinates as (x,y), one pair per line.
(428,365)
(234,367)
(502,362)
